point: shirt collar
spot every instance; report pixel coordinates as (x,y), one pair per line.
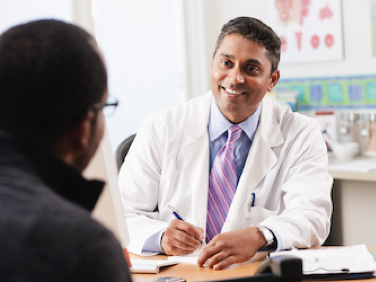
(55,173)
(218,123)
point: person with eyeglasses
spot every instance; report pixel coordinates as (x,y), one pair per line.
(107,107)
(53,93)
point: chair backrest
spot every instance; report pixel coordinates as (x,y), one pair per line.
(122,150)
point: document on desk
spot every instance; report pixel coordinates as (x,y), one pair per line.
(334,260)
(191,258)
(149,265)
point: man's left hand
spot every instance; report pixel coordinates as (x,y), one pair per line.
(231,247)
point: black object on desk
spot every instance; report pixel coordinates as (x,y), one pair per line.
(284,268)
(275,269)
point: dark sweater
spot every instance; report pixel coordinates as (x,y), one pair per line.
(46,232)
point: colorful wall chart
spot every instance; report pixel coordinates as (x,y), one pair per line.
(310,31)
(348,92)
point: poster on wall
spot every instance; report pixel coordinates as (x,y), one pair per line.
(310,30)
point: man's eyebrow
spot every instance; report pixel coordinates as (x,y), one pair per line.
(229,56)
(254,61)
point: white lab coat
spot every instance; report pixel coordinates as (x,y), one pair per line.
(286,168)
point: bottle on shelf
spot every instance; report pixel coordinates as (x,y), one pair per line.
(368,135)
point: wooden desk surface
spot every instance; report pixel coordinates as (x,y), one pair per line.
(192,272)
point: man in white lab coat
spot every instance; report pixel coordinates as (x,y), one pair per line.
(282,197)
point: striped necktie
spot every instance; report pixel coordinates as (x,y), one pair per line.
(222,184)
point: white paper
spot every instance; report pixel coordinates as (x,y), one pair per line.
(147,254)
(353,259)
(149,265)
(190,259)
(355,166)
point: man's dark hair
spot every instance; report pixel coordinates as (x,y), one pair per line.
(50,75)
(257,31)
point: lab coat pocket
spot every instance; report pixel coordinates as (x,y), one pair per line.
(255,214)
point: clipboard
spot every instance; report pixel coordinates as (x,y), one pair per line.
(335,263)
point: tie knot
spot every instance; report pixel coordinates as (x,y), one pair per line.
(234,133)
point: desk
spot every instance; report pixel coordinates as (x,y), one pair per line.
(192,272)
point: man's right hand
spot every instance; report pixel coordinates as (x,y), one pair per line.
(181,238)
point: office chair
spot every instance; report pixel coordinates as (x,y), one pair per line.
(122,150)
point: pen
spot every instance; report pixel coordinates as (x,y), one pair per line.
(176,214)
(251,201)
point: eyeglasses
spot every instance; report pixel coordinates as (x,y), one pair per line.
(108,107)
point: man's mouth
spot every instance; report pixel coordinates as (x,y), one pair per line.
(234,91)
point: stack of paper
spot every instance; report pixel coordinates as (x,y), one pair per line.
(190,259)
(334,260)
(149,265)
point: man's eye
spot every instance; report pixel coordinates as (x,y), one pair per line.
(252,68)
(225,63)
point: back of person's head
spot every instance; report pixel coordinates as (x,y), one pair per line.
(257,31)
(51,74)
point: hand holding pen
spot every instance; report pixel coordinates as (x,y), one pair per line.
(176,214)
(181,237)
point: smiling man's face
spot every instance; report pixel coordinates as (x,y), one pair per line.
(240,77)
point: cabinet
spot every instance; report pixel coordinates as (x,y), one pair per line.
(354,207)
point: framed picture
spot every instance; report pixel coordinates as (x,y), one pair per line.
(310,30)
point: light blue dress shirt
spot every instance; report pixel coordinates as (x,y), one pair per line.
(217,128)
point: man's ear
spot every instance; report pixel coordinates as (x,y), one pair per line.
(273,80)
(76,141)
(81,133)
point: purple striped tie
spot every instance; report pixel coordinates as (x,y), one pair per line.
(222,184)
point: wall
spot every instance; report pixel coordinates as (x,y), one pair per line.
(20,11)
(138,41)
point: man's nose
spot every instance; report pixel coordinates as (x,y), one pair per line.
(235,76)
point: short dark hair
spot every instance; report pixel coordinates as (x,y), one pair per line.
(255,30)
(51,73)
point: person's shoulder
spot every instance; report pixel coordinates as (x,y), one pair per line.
(99,254)
(285,115)
(92,249)
(42,226)
(302,120)
(73,219)
(55,216)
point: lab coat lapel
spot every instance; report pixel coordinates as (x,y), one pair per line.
(196,155)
